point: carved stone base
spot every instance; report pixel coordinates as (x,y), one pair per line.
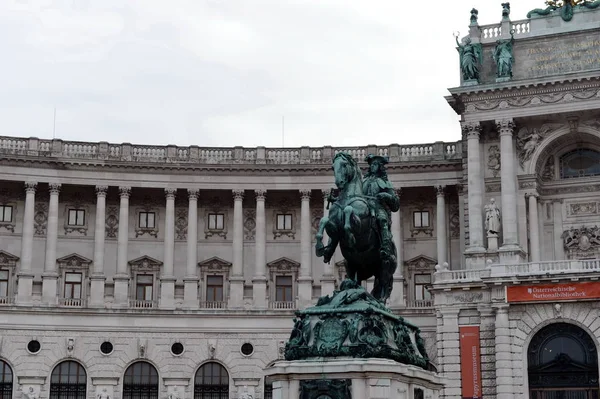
(97,282)
(49,288)
(492,242)
(236,292)
(167,292)
(353,323)
(24,288)
(349,378)
(511,255)
(503,79)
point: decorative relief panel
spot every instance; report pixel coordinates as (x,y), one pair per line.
(548,172)
(40,218)
(181,224)
(494,160)
(587,208)
(529,138)
(454,221)
(249,224)
(112,221)
(492,188)
(583,242)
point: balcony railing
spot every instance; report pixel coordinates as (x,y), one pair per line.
(141,304)
(419,304)
(282,305)
(71,302)
(213,305)
(552,268)
(6,300)
(59,149)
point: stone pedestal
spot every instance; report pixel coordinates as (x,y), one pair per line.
(121,297)
(351,378)
(49,288)
(397,298)
(511,255)
(190,292)
(97,290)
(492,242)
(259,292)
(24,288)
(167,292)
(236,292)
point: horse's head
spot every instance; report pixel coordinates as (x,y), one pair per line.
(345,170)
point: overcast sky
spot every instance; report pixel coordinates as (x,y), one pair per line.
(225,72)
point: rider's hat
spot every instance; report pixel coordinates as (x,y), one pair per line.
(382,160)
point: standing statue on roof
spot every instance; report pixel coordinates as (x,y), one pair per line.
(470,59)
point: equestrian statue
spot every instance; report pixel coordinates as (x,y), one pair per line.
(359,221)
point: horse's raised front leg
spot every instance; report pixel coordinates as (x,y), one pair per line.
(321,250)
(348,214)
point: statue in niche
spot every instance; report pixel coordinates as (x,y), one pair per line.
(492,218)
(505,10)
(503,56)
(470,58)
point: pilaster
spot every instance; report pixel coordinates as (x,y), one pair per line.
(450,353)
(488,350)
(504,369)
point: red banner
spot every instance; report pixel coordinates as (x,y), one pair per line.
(470,362)
(553,292)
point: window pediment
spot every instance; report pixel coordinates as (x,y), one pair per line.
(145,263)
(421,262)
(74,261)
(215,264)
(283,265)
(8,259)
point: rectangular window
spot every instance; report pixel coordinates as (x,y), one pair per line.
(143,287)
(216,221)
(147,220)
(283,289)
(214,288)
(3,283)
(76,217)
(421,282)
(421,218)
(284,221)
(5,213)
(73,285)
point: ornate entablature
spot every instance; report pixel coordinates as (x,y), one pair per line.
(582,243)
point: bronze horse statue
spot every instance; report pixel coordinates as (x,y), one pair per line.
(352,225)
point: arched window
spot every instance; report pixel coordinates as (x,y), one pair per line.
(140,381)
(68,381)
(580,163)
(211,382)
(563,363)
(6,381)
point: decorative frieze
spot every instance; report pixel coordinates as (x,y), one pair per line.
(587,208)
(40,218)
(494,160)
(112,221)
(249,224)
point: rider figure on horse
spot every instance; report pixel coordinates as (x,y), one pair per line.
(383,201)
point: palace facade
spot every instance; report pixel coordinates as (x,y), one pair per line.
(137,271)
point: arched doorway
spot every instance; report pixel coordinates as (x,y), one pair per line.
(140,381)
(68,381)
(562,364)
(6,380)
(211,382)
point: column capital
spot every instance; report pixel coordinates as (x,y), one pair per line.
(305,194)
(101,191)
(54,188)
(124,191)
(460,188)
(30,186)
(261,194)
(170,193)
(238,194)
(325,193)
(505,126)
(193,193)
(471,129)
(531,194)
(440,190)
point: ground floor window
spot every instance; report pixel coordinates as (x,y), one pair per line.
(140,381)
(562,364)
(6,381)
(211,382)
(68,381)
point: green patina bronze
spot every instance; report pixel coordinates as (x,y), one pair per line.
(353,322)
(503,57)
(325,389)
(470,59)
(567,8)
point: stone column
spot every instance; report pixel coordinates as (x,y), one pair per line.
(534,228)
(25,274)
(462,229)
(488,349)
(97,278)
(442,238)
(328,278)
(190,281)
(305,279)
(167,279)
(236,284)
(259,282)
(475,187)
(121,278)
(450,353)
(50,275)
(557,220)
(397,297)
(504,377)
(508,182)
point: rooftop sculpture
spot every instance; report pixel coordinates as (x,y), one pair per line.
(566,7)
